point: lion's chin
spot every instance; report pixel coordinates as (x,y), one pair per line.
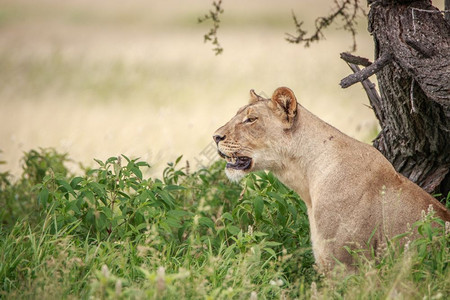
(235,175)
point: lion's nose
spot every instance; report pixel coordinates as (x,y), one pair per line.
(218,138)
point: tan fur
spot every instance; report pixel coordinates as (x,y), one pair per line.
(350,188)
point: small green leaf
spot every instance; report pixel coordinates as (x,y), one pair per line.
(137,172)
(126,158)
(99,162)
(228,216)
(90,196)
(111,160)
(107,211)
(127,197)
(233,229)
(75,181)
(207,222)
(167,198)
(258,204)
(43,197)
(420,230)
(142,164)
(90,219)
(428,231)
(102,221)
(270,251)
(260,234)
(63,183)
(173,222)
(141,226)
(272,244)
(292,211)
(98,189)
(74,207)
(173,187)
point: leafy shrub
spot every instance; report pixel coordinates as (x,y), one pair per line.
(38,164)
(114,201)
(18,198)
(113,233)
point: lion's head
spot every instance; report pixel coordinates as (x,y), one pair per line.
(258,135)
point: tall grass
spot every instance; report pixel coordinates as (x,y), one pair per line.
(113,233)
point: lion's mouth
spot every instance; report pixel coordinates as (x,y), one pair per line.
(237,162)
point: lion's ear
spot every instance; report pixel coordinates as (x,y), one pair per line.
(254,97)
(286,104)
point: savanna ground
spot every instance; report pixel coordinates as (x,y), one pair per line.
(99,79)
(102,78)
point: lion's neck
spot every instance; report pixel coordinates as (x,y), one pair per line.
(308,147)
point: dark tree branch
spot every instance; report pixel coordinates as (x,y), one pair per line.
(425,50)
(371,91)
(365,73)
(346,11)
(357,60)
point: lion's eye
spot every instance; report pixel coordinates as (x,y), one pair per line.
(250,120)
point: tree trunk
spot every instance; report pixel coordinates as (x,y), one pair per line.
(414,108)
(447,11)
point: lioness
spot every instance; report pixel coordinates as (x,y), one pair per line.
(350,189)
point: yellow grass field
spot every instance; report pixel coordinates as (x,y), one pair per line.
(102,78)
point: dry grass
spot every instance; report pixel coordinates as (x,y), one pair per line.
(102,79)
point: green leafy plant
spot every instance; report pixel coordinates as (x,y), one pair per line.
(18,197)
(38,164)
(114,233)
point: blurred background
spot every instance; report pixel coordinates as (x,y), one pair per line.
(108,77)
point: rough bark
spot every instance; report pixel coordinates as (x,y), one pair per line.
(447,11)
(414,110)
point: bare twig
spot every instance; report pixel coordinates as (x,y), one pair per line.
(346,10)
(366,72)
(371,91)
(426,50)
(211,36)
(357,60)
